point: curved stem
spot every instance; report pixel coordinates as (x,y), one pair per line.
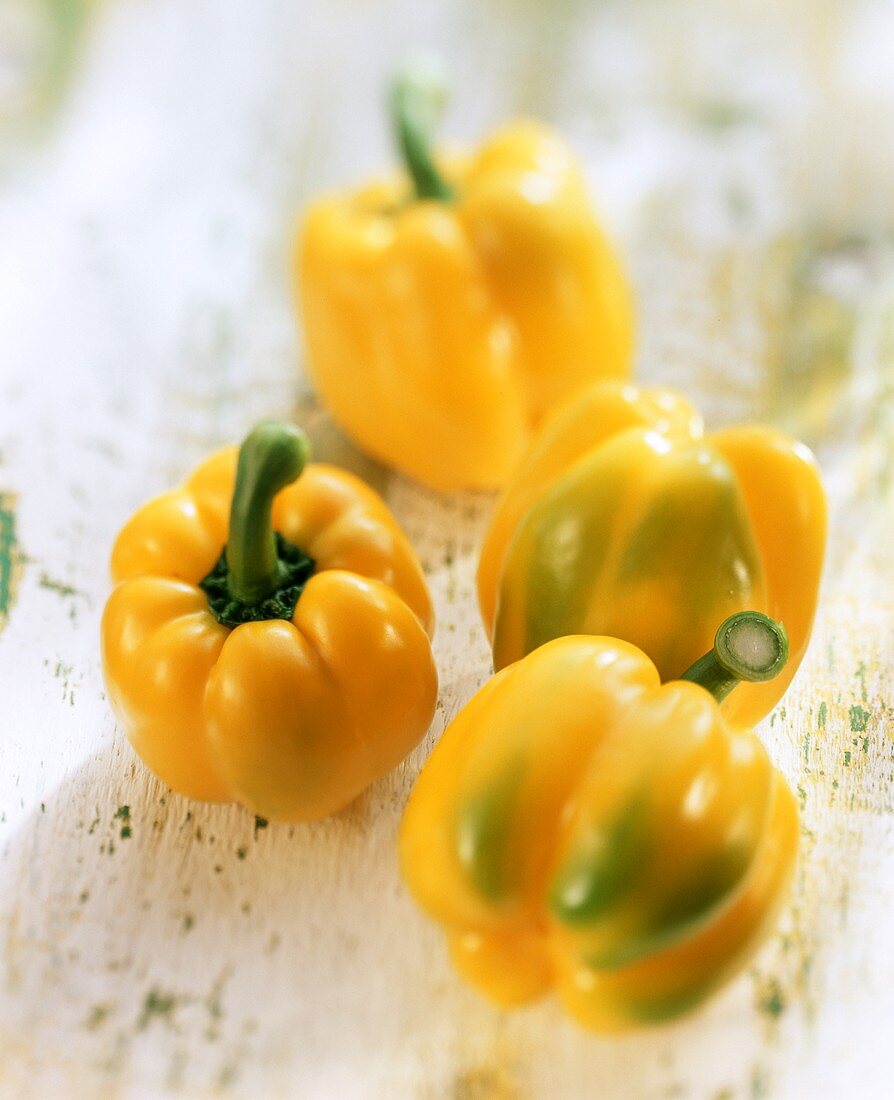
(748,646)
(417,98)
(272,456)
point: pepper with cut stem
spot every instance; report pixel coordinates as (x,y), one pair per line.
(625,519)
(292,667)
(463,299)
(627,848)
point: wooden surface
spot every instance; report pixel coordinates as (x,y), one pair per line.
(743,156)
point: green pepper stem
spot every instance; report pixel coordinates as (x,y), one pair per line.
(272,456)
(417,99)
(748,646)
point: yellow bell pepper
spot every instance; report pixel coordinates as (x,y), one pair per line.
(625,520)
(293,668)
(463,311)
(581,827)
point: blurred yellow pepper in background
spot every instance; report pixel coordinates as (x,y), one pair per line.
(625,520)
(293,668)
(581,827)
(445,315)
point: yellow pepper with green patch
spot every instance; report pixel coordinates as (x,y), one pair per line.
(580,827)
(267,640)
(626,520)
(459,311)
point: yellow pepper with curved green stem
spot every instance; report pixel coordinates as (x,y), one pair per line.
(463,309)
(580,827)
(267,640)
(626,520)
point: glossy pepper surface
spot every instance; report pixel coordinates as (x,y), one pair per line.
(626,520)
(290,670)
(580,827)
(461,306)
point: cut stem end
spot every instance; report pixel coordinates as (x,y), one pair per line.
(748,647)
(752,646)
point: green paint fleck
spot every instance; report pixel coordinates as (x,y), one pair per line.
(771,1001)
(847,757)
(11,557)
(46,581)
(821,715)
(214,1005)
(859,718)
(188,922)
(226,1077)
(157,1004)
(97,1017)
(760,1085)
(861,677)
(123,814)
(241,853)
(84,895)
(260,823)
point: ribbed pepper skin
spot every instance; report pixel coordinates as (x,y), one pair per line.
(293,719)
(625,520)
(581,827)
(440,334)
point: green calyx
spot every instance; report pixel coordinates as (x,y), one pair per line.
(296,570)
(748,647)
(260,575)
(418,95)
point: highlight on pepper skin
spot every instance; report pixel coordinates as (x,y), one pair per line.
(462,299)
(627,849)
(268,637)
(626,520)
